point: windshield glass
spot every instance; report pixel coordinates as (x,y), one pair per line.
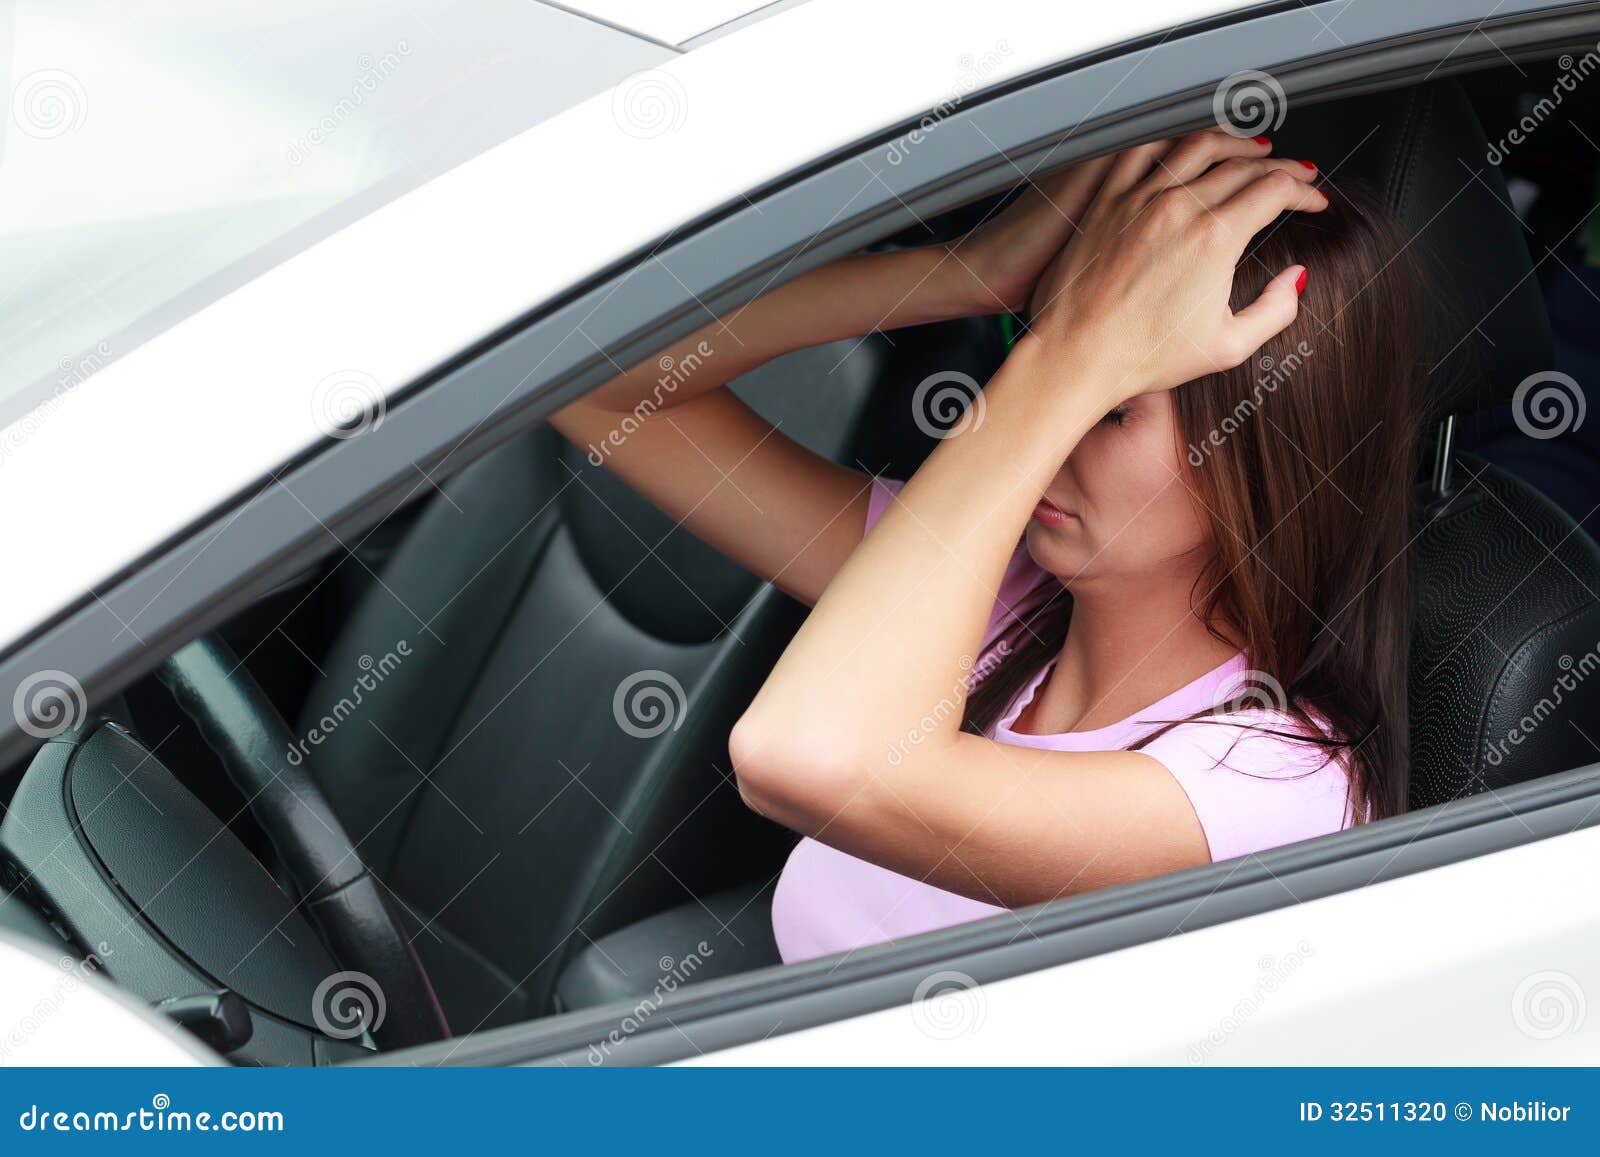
(152,160)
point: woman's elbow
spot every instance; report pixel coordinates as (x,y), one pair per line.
(788,773)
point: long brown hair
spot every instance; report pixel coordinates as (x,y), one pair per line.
(1301,462)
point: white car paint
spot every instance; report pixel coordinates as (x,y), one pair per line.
(134,450)
(56,1011)
(113,229)
(1460,964)
(1491,961)
(676,23)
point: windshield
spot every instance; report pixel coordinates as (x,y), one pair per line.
(152,160)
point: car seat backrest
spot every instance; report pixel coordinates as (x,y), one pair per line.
(507,778)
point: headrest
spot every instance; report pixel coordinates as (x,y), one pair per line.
(1422,152)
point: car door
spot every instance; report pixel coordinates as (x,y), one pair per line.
(491,346)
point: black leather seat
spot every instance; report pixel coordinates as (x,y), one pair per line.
(488,777)
(529,835)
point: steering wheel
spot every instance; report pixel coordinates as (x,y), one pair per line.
(348,905)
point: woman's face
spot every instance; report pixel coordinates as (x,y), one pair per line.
(1123,509)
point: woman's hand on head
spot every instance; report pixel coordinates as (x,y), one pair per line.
(1010,254)
(1141,294)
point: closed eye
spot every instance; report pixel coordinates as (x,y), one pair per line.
(1116,417)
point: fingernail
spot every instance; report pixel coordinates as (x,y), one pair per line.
(1309,165)
(1262,140)
(1300,282)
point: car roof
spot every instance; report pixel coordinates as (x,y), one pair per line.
(682,24)
(114,233)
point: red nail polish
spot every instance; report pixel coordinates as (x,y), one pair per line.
(1300,282)
(1309,165)
(1261,140)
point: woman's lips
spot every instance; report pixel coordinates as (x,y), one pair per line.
(1050,514)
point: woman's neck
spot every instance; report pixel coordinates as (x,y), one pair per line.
(1125,649)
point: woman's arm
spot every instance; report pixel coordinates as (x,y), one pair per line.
(823,747)
(669,428)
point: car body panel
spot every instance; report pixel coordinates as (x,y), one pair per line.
(129,460)
(1487,961)
(113,232)
(682,22)
(54,1010)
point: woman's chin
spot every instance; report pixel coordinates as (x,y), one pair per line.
(1053,550)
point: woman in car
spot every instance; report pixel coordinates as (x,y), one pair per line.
(1146,606)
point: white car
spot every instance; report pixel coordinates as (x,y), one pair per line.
(304,595)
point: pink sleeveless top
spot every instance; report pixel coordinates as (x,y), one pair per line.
(1250,791)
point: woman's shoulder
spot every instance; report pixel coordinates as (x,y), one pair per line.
(1258,778)
(1256,740)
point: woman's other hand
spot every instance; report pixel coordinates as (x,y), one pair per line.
(1010,254)
(1007,255)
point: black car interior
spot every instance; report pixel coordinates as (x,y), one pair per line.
(471,826)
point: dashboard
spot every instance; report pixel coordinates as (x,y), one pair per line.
(105,852)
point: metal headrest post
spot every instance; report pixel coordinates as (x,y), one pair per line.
(1444,452)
